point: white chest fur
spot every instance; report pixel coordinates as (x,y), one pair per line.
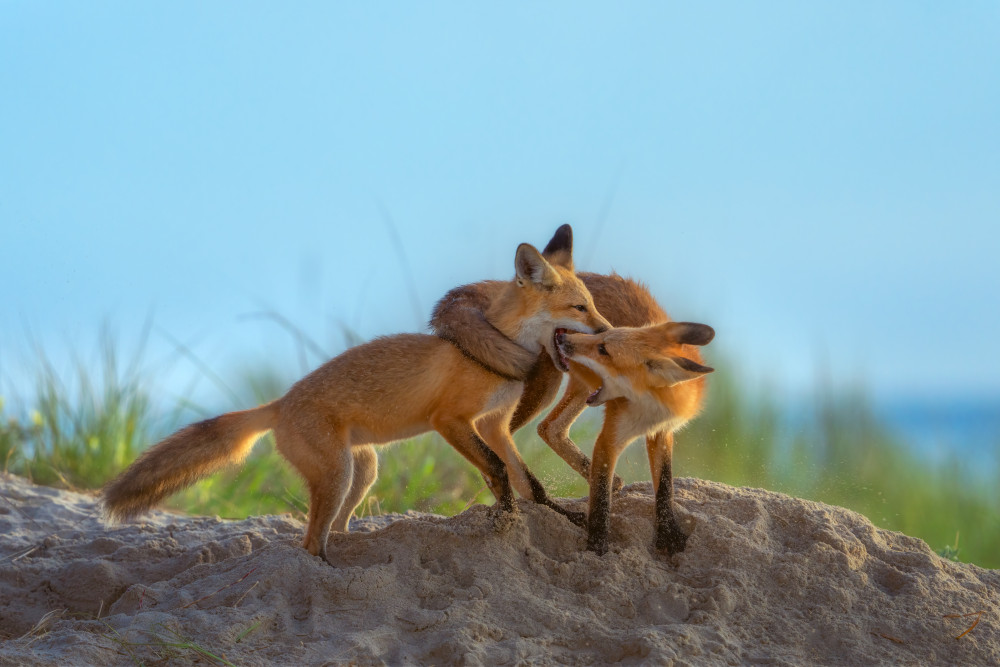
(644,415)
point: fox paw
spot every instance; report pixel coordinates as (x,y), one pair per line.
(672,540)
(616,485)
(598,546)
(577,518)
(503,519)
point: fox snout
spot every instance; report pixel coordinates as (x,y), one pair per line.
(565,347)
(600,324)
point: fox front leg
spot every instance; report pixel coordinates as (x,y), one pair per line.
(602,470)
(540,388)
(497,435)
(463,437)
(669,535)
(554,429)
(541,497)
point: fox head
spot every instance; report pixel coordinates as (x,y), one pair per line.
(633,361)
(552,300)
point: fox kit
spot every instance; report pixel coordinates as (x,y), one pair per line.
(389,389)
(459,317)
(651,382)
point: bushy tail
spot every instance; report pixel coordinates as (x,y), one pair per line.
(191,453)
(458,318)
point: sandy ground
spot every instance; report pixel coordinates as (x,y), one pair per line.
(765,579)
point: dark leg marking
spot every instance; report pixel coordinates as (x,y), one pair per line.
(669,535)
(540,496)
(500,487)
(616,484)
(599,524)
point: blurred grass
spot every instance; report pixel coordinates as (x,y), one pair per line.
(79,433)
(76,432)
(844,456)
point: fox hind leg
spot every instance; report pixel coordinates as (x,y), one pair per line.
(327,465)
(365,472)
(330,494)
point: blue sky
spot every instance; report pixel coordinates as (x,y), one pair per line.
(820,182)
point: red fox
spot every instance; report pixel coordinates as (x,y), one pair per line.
(651,382)
(389,389)
(459,317)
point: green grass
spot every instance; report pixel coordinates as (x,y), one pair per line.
(76,431)
(844,456)
(80,432)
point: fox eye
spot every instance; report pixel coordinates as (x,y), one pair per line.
(602,350)
(582,309)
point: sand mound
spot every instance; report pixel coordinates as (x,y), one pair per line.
(765,579)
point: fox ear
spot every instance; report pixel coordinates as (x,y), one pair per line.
(687,333)
(531,267)
(560,248)
(674,370)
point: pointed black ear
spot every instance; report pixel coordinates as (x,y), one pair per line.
(692,333)
(560,249)
(561,240)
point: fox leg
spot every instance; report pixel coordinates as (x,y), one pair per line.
(602,470)
(669,536)
(463,437)
(554,429)
(540,388)
(327,467)
(365,466)
(497,436)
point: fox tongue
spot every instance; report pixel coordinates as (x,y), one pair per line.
(595,398)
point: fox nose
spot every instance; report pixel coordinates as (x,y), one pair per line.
(600,330)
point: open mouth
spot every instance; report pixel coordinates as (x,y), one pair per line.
(562,361)
(597,397)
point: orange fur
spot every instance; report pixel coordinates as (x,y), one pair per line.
(386,390)
(651,381)
(625,303)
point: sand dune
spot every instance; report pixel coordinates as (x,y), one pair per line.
(765,579)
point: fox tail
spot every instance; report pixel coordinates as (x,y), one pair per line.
(181,459)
